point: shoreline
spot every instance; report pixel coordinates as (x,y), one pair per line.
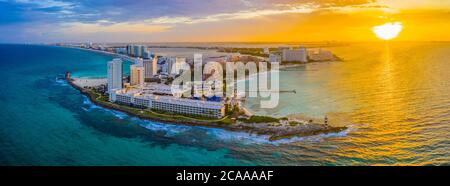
(133,59)
(284,129)
(115,55)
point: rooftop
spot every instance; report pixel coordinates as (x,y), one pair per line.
(143,94)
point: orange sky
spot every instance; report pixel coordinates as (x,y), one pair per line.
(422,21)
(242,21)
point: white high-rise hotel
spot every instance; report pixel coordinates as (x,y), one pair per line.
(180,64)
(150,67)
(170,63)
(138,51)
(198,63)
(114,75)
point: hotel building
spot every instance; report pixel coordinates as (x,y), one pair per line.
(141,99)
(274,58)
(189,106)
(198,66)
(137,75)
(207,88)
(300,55)
(170,61)
(320,55)
(115,75)
(138,51)
(179,64)
(150,67)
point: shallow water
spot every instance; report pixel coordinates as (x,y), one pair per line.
(394,98)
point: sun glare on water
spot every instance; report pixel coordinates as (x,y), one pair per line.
(388,31)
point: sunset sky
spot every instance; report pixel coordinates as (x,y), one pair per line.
(219,20)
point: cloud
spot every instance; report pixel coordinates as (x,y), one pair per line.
(248,14)
(145,18)
(106,26)
(138,10)
(47,3)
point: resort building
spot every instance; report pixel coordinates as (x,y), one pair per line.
(199,89)
(207,88)
(131,97)
(198,68)
(137,75)
(295,55)
(115,75)
(198,58)
(138,51)
(170,62)
(142,102)
(150,67)
(124,99)
(159,89)
(274,58)
(179,65)
(121,50)
(162,89)
(320,55)
(189,106)
(130,50)
(141,99)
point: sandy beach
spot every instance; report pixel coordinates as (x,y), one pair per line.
(83,82)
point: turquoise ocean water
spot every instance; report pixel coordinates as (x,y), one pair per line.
(398,112)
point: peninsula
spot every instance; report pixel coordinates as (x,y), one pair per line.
(147,93)
(276,128)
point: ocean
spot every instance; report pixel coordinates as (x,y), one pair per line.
(394,97)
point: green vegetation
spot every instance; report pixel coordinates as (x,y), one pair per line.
(260,119)
(294,123)
(246,51)
(226,121)
(292,62)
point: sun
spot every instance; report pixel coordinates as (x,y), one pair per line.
(388,31)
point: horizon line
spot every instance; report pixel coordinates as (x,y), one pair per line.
(243,42)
